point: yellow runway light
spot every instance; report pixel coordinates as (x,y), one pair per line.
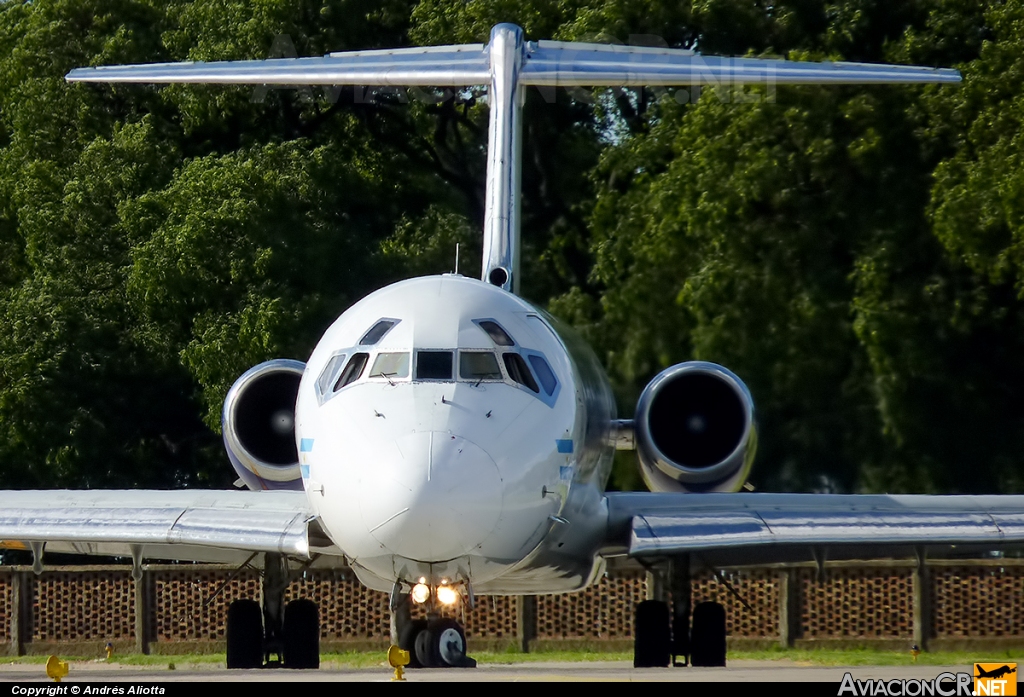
(398,659)
(56,668)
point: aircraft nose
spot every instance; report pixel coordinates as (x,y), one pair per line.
(431,496)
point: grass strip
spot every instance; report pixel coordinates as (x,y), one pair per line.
(356,660)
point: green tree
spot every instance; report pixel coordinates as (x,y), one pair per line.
(159,242)
(788,240)
(851,252)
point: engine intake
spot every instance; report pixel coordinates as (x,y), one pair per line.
(259,425)
(695,429)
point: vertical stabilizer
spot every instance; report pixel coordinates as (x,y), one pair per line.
(504,166)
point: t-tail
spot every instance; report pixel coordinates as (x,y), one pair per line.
(508,64)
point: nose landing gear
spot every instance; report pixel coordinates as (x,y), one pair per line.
(435,642)
(442,644)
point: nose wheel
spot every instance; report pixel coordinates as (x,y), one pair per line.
(436,643)
(450,643)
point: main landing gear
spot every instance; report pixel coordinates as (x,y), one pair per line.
(662,632)
(291,632)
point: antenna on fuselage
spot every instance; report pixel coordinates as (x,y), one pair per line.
(506,65)
(456,258)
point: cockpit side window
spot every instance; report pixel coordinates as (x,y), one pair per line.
(544,373)
(434,365)
(390,365)
(498,335)
(328,376)
(375,333)
(519,372)
(352,371)
(479,365)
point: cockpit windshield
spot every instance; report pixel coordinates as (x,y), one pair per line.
(352,371)
(390,365)
(479,365)
(326,379)
(544,373)
(498,335)
(517,370)
(434,365)
(505,362)
(377,331)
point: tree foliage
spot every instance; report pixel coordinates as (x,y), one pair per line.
(854,254)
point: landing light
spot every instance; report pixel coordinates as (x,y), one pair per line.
(420,593)
(446,595)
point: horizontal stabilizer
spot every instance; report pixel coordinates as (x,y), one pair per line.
(505,65)
(547,63)
(434,66)
(563,64)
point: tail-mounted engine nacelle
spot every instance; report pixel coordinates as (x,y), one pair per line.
(259,425)
(695,429)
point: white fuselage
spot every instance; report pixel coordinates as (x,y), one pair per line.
(444,449)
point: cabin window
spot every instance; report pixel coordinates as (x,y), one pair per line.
(390,365)
(544,374)
(519,372)
(327,377)
(352,371)
(377,332)
(498,335)
(479,365)
(434,365)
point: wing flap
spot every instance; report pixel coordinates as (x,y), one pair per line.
(256,521)
(671,523)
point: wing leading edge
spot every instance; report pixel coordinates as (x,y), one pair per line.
(758,528)
(107,521)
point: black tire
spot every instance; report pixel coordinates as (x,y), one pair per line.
(707,643)
(301,635)
(245,635)
(651,641)
(425,648)
(450,643)
(407,641)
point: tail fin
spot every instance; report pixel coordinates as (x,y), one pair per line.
(506,64)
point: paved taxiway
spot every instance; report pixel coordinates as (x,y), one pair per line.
(738,671)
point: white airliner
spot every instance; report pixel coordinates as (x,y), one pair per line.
(446,438)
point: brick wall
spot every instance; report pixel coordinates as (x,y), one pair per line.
(184,606)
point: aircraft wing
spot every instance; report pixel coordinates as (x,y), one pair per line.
(192,524)
(763,528)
